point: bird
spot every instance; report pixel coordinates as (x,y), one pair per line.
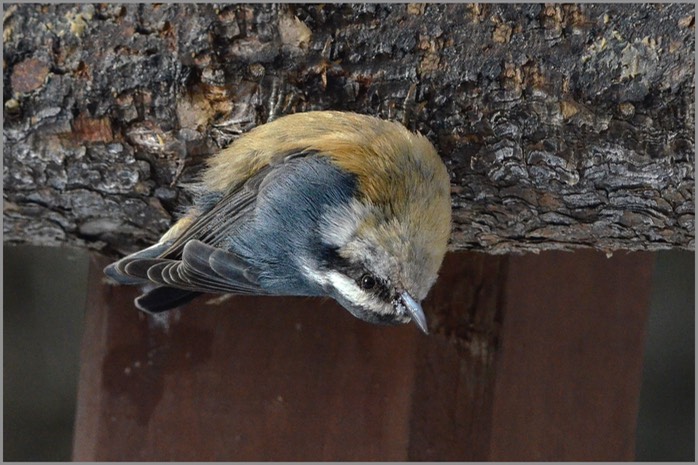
(320,203)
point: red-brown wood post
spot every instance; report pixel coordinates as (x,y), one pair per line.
(530,357)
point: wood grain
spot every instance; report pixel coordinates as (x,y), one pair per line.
(534,357)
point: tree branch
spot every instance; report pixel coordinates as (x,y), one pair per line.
(562,126)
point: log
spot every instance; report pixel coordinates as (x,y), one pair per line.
(533,357)
(562,126)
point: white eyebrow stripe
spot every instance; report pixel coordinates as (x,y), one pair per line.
(311,273)
(348,288)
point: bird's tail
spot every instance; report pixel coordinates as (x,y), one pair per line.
(164,298)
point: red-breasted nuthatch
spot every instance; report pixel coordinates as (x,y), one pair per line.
(312,204)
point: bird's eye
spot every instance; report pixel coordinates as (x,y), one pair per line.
(367,282)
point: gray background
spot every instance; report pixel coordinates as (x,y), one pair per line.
(44,299)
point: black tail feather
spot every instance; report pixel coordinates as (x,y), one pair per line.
(164,298)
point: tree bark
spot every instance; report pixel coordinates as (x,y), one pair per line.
(562,126)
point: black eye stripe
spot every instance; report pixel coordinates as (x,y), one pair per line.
(377,287)
(332,260)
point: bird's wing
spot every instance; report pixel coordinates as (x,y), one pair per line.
(193,261)
(214,225)
(202,268)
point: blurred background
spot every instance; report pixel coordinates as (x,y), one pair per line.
(44,292)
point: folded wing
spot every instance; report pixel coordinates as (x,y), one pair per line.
(193,263)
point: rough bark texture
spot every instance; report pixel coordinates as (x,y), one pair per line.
(561,125)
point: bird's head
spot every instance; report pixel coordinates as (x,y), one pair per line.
(381,250)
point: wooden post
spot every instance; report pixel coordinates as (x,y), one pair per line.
(570,364)
(530,358)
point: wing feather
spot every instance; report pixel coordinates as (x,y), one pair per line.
(215,225)
(193,262)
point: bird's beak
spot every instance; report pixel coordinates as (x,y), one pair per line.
(415,311)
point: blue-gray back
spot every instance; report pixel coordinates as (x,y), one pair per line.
(283,225)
